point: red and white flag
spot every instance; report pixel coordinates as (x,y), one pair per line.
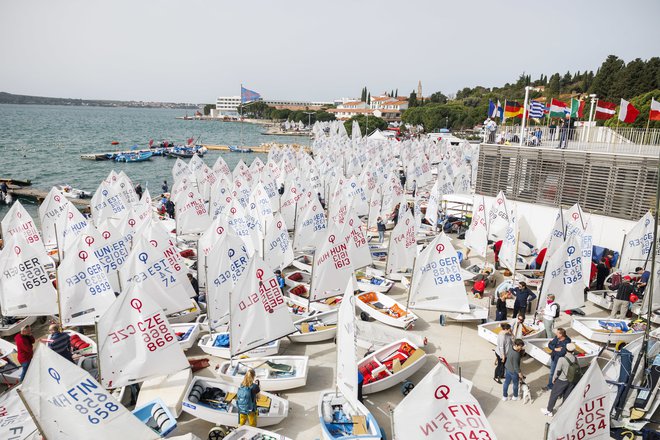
(190,141)
(654,114)
(605,110)
(627,113)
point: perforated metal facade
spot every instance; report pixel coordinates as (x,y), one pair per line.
(615,185)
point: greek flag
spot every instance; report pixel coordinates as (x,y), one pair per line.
(536,109)
(248,95)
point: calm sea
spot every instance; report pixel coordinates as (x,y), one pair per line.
(44,143)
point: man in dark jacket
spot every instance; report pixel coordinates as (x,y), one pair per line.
(622,299)
(558,347)
(602,271)
(60,342)
(523,297)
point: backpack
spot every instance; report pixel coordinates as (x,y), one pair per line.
(574,373)
(244,400)
(556,310)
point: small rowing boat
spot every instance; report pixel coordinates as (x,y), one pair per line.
(218,345)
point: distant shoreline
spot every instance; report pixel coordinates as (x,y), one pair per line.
(9,98)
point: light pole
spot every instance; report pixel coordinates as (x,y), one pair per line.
(309,125)
(594,101)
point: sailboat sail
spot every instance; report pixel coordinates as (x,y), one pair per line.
(19,221)
(333,267)
(15,421)
(403,245)
(498,217)
(49,210)
(564,275)
(346,377)
(637,246)
(278,251)
(476,237)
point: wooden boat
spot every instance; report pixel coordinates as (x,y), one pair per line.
(249,433)
(373,283)
(593,329)
(315,327)
(390,365)
(275,373)
(10,368)
(206,343)
(221,409)
(476,313)
(184,316)
(538,349)
(7,329)
(602,298)
(187,334)
(156,416)
(386,310)
(171,389)
(333,404)
(489,330)
(303,262)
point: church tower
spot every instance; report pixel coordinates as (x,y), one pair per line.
(419,90)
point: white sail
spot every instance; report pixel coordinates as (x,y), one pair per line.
(403,245)
(333,267)
(509,250)
(155,265)
(180,170)
(437,283)
(577,224)
(106,202)
(311,227)
(15,421)
(112,250)
(25,288)
(259,314)
(498,217)
(206,241)
(346,375)
(433,204)
(70,404)
(586,412)
(191,213)
(19,221)
(556,238)
(476,237)
(357,240)
(226,261)
(68,226)
(374,207)
(440,407)
(277,245)
(49,210)
(238,221)
(136,341)
(221,165)
(564,275)
(637,245)
(263,208)
(85,291)
(220,197)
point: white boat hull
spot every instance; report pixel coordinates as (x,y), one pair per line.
(10,372)
(278,411)
(590,329)
(206,344)
(12,329)
(406,321)
(477,313)
(605,302)
(408,368)
(190,334)
(268,380)
(250,433)
(488,330)
(185,316)
(536,349)
(330,396)
(303,262)
(365,285)
(329,330)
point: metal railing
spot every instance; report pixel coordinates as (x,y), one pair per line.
(624,140)
(615,185)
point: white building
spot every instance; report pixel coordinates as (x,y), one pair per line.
(228,105)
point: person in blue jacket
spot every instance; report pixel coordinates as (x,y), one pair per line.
(523,297)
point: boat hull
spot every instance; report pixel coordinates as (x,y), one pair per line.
(190,334)
(489,333)
(267,381)
(589,328)
(327,400)
(536,349)
(12,329)
(325,319)
(406,321)
(206,344)
(409,366)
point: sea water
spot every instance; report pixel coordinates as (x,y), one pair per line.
(44,143)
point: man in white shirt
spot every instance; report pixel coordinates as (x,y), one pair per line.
(550,313)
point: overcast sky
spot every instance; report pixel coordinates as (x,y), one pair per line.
(194,51)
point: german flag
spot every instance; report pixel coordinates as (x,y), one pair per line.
(513,109)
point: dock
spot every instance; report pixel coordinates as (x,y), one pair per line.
(38,195)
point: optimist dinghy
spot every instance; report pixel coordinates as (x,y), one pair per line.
(218,345)
(81,345)
(606,330)
(276,373)
(476,313)
(297,278)
(187,334)
(315,328)
(156,416)
(185,316)
(11,326)
(602,298)
(303,262)
(10,368)
(373,283)
(250,433)
(390,365)
(386,310)
(214,401)
(490,330)
(538,349)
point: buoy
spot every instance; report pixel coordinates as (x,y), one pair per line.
(114,143)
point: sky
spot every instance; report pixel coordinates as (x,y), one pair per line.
(197,50)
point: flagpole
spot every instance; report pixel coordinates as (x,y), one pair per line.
(594,103)
(525,114)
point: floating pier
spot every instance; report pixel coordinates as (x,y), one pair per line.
(38,195)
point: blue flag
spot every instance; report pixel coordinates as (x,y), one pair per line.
(495,111)
(249,95)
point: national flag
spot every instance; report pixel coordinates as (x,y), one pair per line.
(536,109)
(654,114)
(249,95)
(151,142)
(512,109)
(577,108)
(494,110)
(558,109)
(605,110)
(627,113)
(190,141)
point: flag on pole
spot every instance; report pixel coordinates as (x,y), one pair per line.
(512,109)
(627,113)
(248,95)
(494,110)
(605,110)
(654,114)
(536,109)
(577,108)
(558,109)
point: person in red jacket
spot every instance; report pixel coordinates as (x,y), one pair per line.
(496,250)
(24,342)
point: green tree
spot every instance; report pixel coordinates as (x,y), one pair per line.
(606,76)
(438,98)
(554,86)
(412,99)
(208,108)
(368,124)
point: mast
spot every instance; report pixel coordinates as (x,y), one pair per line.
(57,275)
(19,391)
(412,277)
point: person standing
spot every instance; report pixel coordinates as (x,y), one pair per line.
(602,272)
(622,298)
(512,371)
(195,285)
(24,348)
(500,307)
(170,208)
(524,296)
(246,399)
(138,191)
(414,188)
(565,378)
(60,342)
(280,280)
(381,229)
(504,343)
(550,313)
(558,347)
(164,187)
